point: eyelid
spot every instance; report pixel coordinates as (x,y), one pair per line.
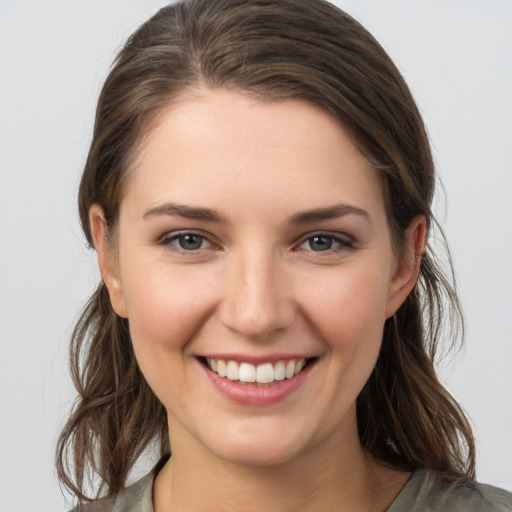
(168,238)
(343,240)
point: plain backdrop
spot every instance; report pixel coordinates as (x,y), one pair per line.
(54,55)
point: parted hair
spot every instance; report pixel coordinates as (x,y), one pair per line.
(275,50)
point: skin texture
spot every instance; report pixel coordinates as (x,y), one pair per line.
(255,285)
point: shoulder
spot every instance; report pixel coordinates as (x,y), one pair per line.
(427,491)
(101,505)
(134,498)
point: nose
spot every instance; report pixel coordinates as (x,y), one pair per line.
(256,301)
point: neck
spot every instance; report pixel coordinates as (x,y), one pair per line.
(338,475)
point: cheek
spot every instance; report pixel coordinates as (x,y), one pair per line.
(166,308)
(348,307)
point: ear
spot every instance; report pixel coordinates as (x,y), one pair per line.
(408,265)
(107,259)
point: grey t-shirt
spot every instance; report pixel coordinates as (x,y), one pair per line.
(425,491)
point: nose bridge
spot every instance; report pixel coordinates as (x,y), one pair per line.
(256,300)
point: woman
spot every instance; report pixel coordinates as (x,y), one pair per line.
(258,191)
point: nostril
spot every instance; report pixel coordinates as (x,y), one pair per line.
(255,302)
(258,322)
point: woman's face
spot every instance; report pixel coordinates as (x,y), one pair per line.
(252,240)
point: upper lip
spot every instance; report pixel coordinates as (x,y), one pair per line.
(257,359)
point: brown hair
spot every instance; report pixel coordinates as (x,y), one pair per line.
(274,49)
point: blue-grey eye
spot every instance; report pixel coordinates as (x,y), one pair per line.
(190,242)
(320,243)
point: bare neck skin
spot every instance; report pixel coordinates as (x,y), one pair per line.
(336,476)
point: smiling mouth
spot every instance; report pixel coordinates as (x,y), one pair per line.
(248,373)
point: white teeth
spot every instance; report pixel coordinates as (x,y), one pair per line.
(247,373)
(221,368)
(265,373)
(290,370)
(279,370)
(232,372)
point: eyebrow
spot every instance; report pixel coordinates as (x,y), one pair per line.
(209,215)
(187,212)
(330,212)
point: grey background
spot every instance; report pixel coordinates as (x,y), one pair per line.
(54,55)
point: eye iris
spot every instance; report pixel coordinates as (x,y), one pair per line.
(190,242)
(320,243)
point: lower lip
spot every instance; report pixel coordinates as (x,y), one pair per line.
(263,394)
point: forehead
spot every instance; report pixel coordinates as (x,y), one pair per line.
(213,145)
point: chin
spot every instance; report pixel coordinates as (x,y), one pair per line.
(258,455)
(259,446)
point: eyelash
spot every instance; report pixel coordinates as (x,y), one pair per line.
(343,242)
(171,240)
